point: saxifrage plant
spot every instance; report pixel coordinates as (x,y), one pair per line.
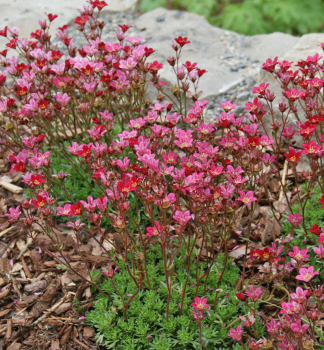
(169,183)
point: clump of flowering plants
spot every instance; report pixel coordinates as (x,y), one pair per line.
(166,179)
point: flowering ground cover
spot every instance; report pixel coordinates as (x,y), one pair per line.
(140,225)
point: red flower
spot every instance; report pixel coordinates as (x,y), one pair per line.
(43,104)
(322,200)
(20,167)
(37,180)
(40,138)
(307,129)
(148,51)
(40,203)
(51,17)
(4,53)
(81,21)
(126,187)
(182,41)
(76,209)
(124,27)
(155,67)
(3,32)
(22,90)
(98,4)
(63,28)
(12,44)
(270,64)
(315,230)
(87,70)
(190,66)
(56,55)
(201,72)
(254,141)
(84,151)
(293,156)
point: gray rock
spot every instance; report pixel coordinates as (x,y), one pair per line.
(226,55)
(24,14)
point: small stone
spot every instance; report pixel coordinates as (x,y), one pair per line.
(243,96)
(237,67)
(160,18)
(227,55)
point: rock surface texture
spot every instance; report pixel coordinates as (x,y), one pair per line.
(24,14)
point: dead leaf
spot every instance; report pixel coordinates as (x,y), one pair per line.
(271,231)
(238,252)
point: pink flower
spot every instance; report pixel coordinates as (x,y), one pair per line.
(295,219)
(254,294)
(128,64)
(64,210)
(228,106)
(247,198)
(299,255)
(200,304)
(306,274)
(291,308)
(298,328)
(236,333)
(300,296)
(182,217)
(319,251)
(75,225)
(14,213)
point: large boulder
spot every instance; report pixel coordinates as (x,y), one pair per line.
(24,14)
(227,56)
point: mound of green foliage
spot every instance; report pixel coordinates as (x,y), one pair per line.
(147,327)
(252,17)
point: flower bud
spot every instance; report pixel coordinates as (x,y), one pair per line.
(171,61)
(241,296)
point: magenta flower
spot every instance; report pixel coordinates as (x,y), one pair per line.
(236,333)
(300,296)
(66,210)
(182,217)
(299,255)
(299,328)
(254,294)
(155,230)
(247,198)
(295,219)
(306,274)
(200,304)
(14,213)
(319,251)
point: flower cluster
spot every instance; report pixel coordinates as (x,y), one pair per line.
(167,176)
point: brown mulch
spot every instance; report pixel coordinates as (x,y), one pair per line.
(37,296)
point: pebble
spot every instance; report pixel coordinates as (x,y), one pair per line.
(243,96)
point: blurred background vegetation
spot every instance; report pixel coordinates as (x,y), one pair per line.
(252,17)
